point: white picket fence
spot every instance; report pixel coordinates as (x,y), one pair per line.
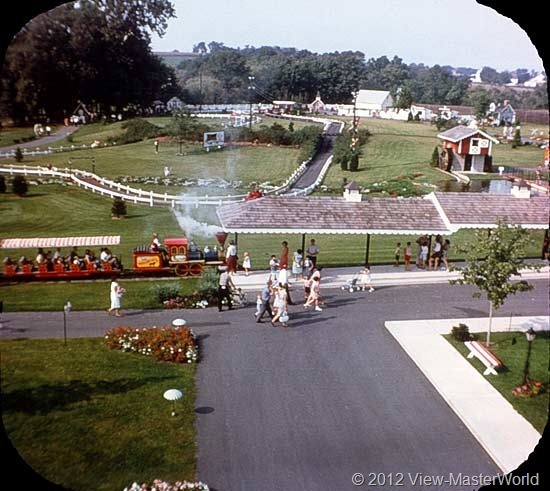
(114,189)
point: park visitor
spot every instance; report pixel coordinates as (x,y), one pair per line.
(117,293)
(312,252)
(225,285)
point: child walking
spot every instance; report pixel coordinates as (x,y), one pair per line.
(258,304)
(397,253)
(246,263)
(408,254)
(365,279)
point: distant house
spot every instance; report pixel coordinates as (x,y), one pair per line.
(466,149)
(317,106)
(536,81)
(282,107)
(174,104)
(371,102)
(504,115)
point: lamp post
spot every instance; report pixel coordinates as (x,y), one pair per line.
(353,144)
(66,311)
(530,335)
(251,87)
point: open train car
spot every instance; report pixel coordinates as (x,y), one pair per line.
(51,267)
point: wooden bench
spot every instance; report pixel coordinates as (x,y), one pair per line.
(483,354)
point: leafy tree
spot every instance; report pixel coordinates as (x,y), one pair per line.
(96,51)
(119,208)
(502,253)
(480,100)
(19,185)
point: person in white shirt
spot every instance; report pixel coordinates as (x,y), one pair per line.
(312,252)
(282,278)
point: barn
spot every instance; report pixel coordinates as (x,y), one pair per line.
(466,149)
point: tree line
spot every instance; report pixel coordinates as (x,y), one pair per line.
(98,52)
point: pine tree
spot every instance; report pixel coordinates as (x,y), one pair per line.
(435,157)
(119,208)
(18,155)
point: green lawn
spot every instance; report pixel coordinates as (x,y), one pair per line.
(403,148)
(65,211)
(8,136)
(511,349)
(90,418)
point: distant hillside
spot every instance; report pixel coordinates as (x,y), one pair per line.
(175,57)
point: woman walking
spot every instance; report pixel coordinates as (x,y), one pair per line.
(281,301)
(116,295)
(315,292)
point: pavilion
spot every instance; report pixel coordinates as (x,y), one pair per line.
(434,214)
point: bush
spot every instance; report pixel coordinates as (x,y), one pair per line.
(159,485)
(136,130)
(207,285)
(354,162)
(165,291)
(19,185)
(18,155)
(172,344)
(462,333)
(119,208)
(435,157)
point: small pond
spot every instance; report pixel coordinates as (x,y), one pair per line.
(494,186)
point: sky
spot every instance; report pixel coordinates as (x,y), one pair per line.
(418,31)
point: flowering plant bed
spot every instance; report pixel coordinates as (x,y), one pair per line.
(173,344)
(193,301)
(529,389)
(158,485)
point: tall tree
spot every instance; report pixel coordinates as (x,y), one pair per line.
(96,51)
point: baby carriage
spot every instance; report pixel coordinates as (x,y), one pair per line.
(238,297)
(352,285)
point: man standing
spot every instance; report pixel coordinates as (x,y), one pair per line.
(266,306)
(231,257)
(312,252)
(224,289)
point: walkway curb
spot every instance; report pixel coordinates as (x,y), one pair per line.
(505,435)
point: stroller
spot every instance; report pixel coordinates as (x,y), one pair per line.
(238,297)
(352,285)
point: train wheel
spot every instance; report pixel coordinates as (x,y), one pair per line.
(182,269)
(195,269)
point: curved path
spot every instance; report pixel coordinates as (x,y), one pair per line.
(60,133)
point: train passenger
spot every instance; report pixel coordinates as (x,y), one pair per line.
(41,256)
(57,254)
(90,259)
(156,245)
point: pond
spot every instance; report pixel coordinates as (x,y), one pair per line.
(493,186)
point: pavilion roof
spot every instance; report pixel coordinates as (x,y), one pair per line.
(437,213)
(332,215)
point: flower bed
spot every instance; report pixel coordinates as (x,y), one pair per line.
(173,344)
(158,485)
(192,301)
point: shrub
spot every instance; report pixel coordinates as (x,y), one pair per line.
(19,185)
(18,155)
(354,162)
(462,333)
(435,157)
(119,208)
(172,344)
(207,285)
(136,130)
(165,291)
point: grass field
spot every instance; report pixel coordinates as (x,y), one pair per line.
(511,349)
(90,418)
(402,148)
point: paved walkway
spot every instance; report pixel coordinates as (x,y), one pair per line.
(59,134)
(506,435)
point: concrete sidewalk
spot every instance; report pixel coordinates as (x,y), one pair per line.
(385,275)
(505,435)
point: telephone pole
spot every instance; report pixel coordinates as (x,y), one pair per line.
(251,87)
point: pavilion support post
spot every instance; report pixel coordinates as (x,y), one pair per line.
(367,249)
(429,248)
(303,246)
(237,240)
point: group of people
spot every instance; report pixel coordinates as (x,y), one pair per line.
(51,261)
(424,260)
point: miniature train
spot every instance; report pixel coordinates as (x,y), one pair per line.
(178,256)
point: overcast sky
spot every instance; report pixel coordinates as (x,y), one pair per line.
(444,32)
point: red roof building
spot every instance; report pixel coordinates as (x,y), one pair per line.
(466,149)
